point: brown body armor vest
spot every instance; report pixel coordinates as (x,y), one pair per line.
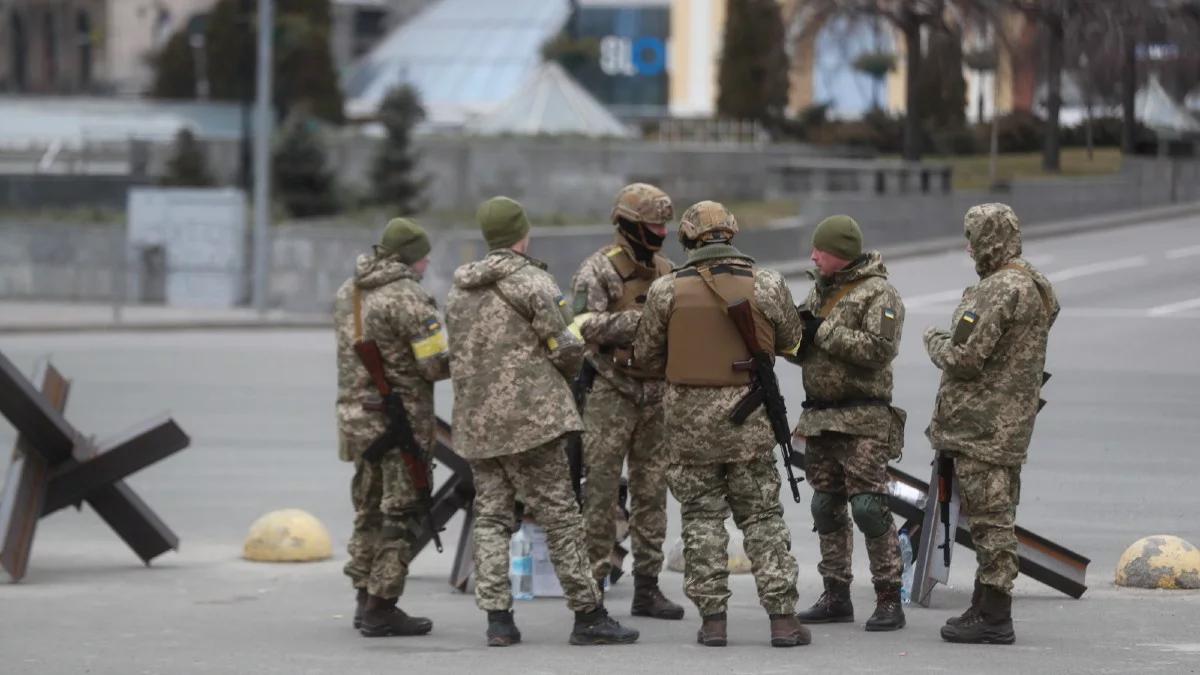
(702,342)
(635,282)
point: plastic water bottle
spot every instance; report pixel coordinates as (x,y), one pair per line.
(906,557)
(520,566)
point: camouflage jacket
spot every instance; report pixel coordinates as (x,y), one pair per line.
(992,358)
(511,357)
(851,357)
(596,286)
(698,429)
(403,320)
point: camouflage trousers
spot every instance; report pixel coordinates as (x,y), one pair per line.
(990,494)
(387,521)
(542,481)
(843,466)
(750,490)
(615,428)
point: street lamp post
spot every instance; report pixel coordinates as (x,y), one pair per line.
(262,163)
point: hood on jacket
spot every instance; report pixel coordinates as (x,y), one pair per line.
(994,234)
(869,264)
(373,271)
(497,265)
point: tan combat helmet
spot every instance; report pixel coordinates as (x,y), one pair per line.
(706,221)
(643,203)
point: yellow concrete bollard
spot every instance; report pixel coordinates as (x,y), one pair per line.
(288,535)
(1159,561)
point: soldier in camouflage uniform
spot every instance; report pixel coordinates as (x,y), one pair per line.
(991,362)
(623,416)
(384,302)
(852,322)
(512,353)
(718,467)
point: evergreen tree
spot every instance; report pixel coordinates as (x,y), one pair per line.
(941,88)
(753,74)
(303,64)
(393,173)
(302,178)
(188,165)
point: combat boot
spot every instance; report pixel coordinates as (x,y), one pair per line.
(833,606)
(502,630)
(991,624)
(360,605)
(648,600)
(972,610)
(598,628)
(889,615)
(381,617)
(787,631)
(712,630)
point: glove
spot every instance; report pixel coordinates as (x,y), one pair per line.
(576,326)
(812,323)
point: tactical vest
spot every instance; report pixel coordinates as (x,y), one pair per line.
(702,342)
(635,282)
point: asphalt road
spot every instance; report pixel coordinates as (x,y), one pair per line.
(1113,460)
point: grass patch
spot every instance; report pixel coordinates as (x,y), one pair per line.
(971,172)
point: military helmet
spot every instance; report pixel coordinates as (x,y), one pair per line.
(643,203)
(705,221)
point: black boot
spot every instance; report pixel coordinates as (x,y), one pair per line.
(381,618)
(712,630)
(502,630)
(360,605)
(598,628)
(992,624)
(889,615)
(833,606)
(972,610)
(648,600)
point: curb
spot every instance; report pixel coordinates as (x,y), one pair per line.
(789,269)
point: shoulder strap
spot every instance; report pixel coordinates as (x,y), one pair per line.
(1027,273)
(358,327)
(495,288)
(833,300)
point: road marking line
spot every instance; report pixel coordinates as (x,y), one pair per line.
(1098,268)
(1163,310)
(1061,275)
(1176,254)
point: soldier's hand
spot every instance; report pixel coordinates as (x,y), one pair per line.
(811,325)
(934,331)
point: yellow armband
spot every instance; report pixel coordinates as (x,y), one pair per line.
(431,345)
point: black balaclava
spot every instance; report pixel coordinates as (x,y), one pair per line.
(642,240)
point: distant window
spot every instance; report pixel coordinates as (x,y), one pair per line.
(50,44)
(369,27)
(20,53)
(83,26)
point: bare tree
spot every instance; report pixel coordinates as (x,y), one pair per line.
(909,17)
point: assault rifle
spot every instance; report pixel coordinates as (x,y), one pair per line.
(945,482)
(581,386)
(399,433)
(764,390)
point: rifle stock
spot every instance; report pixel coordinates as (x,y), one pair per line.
(742,315)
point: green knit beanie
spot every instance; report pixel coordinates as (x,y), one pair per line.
(503,222)
(404,239)
(840,236)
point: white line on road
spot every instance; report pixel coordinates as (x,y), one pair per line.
(1098,268)
(1061,275)
(1187,252)
(1163,310)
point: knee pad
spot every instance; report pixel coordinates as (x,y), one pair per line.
(871,513)
(829,512)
